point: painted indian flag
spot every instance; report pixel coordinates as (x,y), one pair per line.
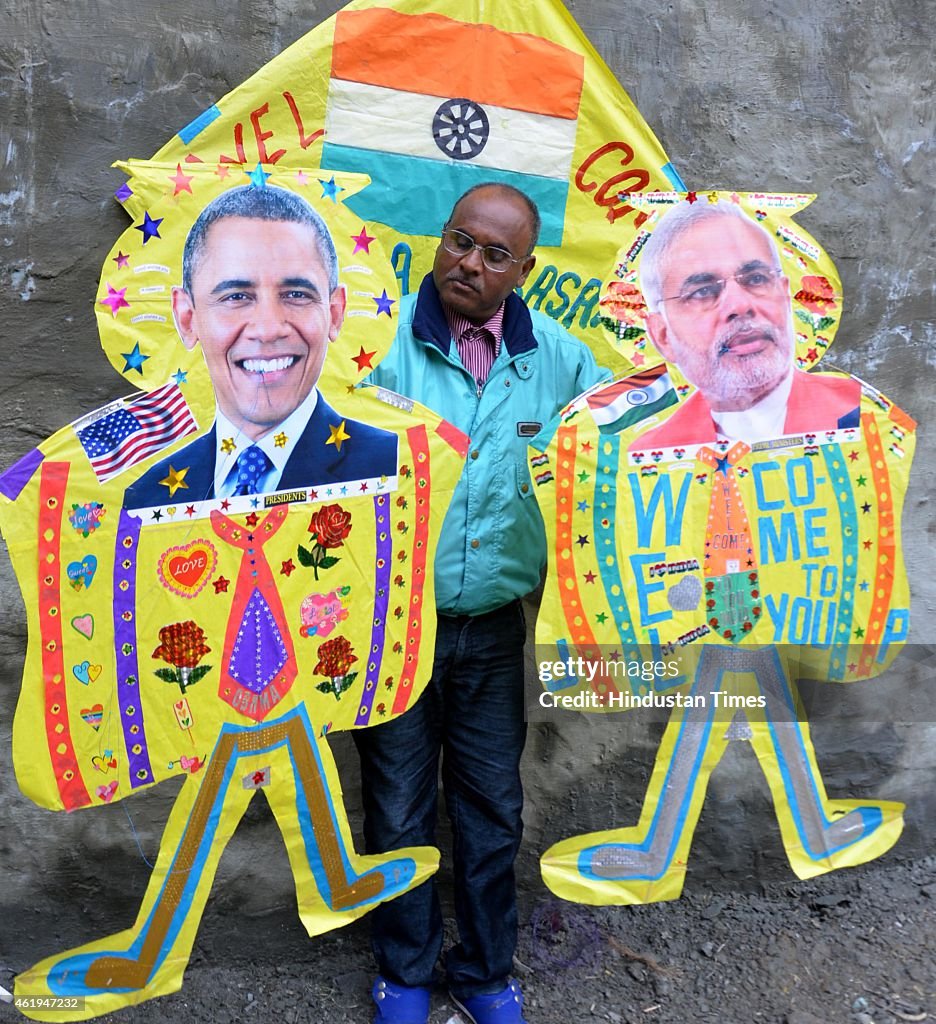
(635,398)
(428,105)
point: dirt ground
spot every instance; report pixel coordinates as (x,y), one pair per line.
(856,947)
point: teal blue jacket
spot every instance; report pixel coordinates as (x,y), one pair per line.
(493,545)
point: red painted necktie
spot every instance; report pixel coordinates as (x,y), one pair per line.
(259,663)
(732,589)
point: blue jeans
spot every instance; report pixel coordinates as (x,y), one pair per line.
(472,713)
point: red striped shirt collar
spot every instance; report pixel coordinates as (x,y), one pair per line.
(458,324)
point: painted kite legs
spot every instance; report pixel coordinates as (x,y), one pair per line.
(298,775)
(646,863)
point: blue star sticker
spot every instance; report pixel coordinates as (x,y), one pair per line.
(258,177)
(330,189)
(254,502)
(384,302)
(721,466)
(134,360)
(583,506)
(149,227)
(863,585)
(180,376)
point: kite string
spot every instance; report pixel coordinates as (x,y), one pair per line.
(238,437)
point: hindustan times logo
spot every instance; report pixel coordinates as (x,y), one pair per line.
(599,673)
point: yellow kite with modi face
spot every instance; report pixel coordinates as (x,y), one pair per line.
(720,525)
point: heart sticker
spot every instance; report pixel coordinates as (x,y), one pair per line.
(81,672)
(84,624)
(186,568)
(81,574)
(105,763)
(93,716)
(106,793)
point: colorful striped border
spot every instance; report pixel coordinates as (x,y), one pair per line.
(885,554)
(71,787)
(583,643)
(604,509)
(129,698)
(381,604)
(419,450)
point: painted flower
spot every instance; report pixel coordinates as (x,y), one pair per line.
(335,658)
(816,294)
(624,302)
(330,526)
(183,646)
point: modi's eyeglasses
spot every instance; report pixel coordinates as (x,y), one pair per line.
(703,292)
(492,256)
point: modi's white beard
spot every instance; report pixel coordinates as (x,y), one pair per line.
(744,383)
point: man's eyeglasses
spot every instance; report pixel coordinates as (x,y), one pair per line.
(492,256)
(758,281)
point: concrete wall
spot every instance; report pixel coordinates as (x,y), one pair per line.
(834,98)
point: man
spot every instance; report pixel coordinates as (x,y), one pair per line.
(469,348)
(719,309)
(260,294)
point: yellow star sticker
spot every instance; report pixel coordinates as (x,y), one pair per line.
(338,435)
(280,440)
(713,197)
(227,445)
(175,480)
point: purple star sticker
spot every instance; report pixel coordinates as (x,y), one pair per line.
(384,302)
(149,227)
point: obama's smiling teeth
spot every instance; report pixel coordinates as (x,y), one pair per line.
(267,365)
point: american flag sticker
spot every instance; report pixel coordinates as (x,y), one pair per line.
(128,431)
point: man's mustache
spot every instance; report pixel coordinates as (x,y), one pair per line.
(461,280)
(745,332)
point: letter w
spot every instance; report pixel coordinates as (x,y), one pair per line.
(662,489)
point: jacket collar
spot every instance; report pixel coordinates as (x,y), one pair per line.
(430,325)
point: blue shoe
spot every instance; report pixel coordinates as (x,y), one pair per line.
(504,1007)
(400,1004)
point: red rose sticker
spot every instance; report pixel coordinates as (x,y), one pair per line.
(329,526)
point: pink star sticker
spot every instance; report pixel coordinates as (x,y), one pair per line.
(181,181)
(121,259)
(115,299)
(362,241)
(303,179)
